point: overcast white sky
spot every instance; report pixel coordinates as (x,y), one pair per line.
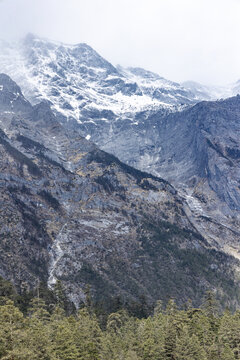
(179,39)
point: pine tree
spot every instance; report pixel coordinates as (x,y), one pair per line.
(87,335)
(38,332)
(63,346)
(38,310)
(229,332)
(175,320)
(152,338)
(188,347)
(211,310)
(199,325)
(12,322)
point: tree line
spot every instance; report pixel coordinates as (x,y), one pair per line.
(33,330)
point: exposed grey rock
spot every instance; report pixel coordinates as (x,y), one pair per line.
(132,114)
(72,212)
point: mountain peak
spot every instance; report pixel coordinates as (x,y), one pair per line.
(144,73)
(11,97)
(82,85)
(30,38)
(7,84)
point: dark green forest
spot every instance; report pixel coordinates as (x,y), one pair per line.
(44,325)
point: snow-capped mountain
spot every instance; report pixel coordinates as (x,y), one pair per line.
(133,114)
(72,212)
(80,84)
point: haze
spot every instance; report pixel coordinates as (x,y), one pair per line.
(179,39)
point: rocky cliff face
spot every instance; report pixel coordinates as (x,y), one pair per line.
(70,211)
(197,150)
(84,216)
(126,111)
